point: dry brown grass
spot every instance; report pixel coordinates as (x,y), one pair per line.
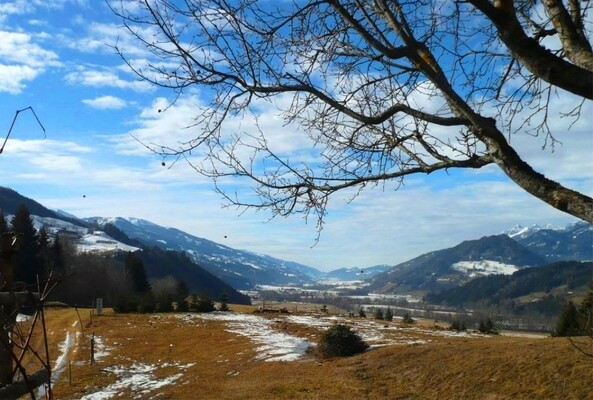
(223,364)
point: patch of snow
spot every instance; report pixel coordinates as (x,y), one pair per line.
(484,268)
(100,242)
(139,378)
(23,317)
(271,344)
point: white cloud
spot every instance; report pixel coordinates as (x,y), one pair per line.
(106,103)
(14,77)
(21,61)
(105,78)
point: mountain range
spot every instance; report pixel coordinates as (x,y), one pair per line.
(511,251)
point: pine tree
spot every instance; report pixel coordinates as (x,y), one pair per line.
(378,314)
(43,241)
(408,319)
(486,326)
(3,227)
(388,314)
(57,256)
(586,312)
(135,273)
(28,265)
(568,322)
(3,223)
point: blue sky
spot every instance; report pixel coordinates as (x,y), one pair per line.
(57,56)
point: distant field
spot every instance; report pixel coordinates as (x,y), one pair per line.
(263,356)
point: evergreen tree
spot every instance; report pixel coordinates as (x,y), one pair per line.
(3,223)
(28,265)
(57,256)
(3,227)
(388,314)
(486,326)
(135,274)
(43,241)
(586,312)
(408,319)
(568,322)
(378,314)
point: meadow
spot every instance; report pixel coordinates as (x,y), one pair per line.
(247,355)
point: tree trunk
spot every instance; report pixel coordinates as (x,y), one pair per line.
(547,190)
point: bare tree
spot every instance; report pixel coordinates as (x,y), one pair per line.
(383,89)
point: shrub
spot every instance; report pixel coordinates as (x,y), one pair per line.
(202,304)
(378,313)
(182,305)
(408,319)
(458,326)
(340,341)
(487,326)
(362,313)
(224,306)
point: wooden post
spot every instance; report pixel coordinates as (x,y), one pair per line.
(93,348)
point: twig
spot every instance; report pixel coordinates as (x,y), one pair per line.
(13,122)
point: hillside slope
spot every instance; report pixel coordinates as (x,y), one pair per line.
(544,289)
(241,269)
(451,267)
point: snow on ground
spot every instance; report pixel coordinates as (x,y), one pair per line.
(101,350)
(139,378)
(100,241)
(61,362)
(23,317)
(377,333)
(279,346)
(484,267)
(271,344)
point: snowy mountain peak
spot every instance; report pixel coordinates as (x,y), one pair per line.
(522,231)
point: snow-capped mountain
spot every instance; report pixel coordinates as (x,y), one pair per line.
(574,242)
(242,269)
(520,231)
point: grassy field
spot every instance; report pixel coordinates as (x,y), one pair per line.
(173,356)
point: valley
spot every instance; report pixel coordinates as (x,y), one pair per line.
(265,356)
(155,339)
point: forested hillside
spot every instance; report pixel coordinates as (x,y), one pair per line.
(546,288)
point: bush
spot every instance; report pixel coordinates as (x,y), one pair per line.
(378,313)
(458,326)
(182,305)
(202,304)
(487,327)
(408,319)
(146,305)
(340,341)
(362,313)
(224,306)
